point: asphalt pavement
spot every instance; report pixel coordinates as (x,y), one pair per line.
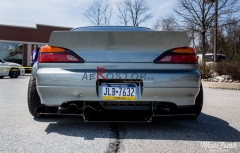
(217,129)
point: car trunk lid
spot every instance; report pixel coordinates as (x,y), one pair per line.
(119,46)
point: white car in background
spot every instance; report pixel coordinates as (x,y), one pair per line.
(13,70)
(209,57)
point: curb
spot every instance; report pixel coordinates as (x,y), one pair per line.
(221,85)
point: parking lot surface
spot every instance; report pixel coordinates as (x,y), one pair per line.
(217,129)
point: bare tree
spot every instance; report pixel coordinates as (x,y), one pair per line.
(123,12)
(135,11)
(201,14)
(167,23)
(229,38)
(192,33)
(107,13)
(157,25)
(99,13)
(93,13)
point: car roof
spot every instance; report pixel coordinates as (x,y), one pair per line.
(111,28)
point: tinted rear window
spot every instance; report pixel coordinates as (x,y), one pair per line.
(111,28)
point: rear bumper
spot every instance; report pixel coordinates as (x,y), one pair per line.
(55,96)
(58,86)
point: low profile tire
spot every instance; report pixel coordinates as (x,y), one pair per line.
(14,73)
(33,97)
(198,103)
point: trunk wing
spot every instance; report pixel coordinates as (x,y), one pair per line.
(119,40)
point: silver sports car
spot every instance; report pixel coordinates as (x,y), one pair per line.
(116,74)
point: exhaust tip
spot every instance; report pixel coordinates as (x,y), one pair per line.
(72,108)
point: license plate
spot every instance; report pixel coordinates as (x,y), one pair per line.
(119,91)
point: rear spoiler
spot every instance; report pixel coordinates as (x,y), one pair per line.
(119,40)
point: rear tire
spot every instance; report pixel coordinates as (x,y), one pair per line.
(1,77)
(14,73)
(33,97)
(198,102)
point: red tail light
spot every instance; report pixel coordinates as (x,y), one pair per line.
(178,55)
(50,54)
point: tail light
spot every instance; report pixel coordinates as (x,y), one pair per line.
(49,54)
(183,55)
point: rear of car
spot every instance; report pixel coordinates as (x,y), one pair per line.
(111,73)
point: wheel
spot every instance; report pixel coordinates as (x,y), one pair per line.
(14,73)
(199,102)
(33,97)
(1,77)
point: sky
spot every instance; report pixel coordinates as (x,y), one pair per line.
(65,13)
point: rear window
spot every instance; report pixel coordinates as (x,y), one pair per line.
(111,28)
(221,58)
(210,58)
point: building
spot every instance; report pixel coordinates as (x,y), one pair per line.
(16,43)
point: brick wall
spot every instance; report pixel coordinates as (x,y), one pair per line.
(39,34)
